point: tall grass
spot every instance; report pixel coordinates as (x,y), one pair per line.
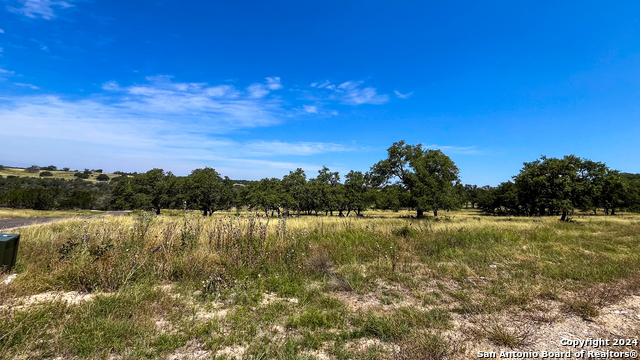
(294,275)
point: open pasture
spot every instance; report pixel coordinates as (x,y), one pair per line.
(379,286)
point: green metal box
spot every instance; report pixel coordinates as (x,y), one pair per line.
(8,250)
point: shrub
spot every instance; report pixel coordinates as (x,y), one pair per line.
(1,167)
(81,175)
(103,177)
(32,169)
(46,173)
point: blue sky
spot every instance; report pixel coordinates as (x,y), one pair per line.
(257,88)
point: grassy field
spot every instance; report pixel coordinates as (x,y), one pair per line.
(382,286)
(67,175)
(9,213)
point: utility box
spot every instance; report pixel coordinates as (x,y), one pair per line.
(8,251)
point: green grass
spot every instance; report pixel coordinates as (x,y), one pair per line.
(172,284)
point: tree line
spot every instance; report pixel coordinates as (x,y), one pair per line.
(410,177)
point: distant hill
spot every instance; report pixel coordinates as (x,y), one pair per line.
(55,174)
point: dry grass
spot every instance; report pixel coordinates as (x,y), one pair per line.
(9,213)
(67,175)
(320,286)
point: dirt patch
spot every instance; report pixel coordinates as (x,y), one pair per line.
(193,350)
(269,298)
(232,352)
(71,298)
(546,328)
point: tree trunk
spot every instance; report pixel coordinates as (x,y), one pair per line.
(613,211)
(435,212)
(564,216)
(420,213)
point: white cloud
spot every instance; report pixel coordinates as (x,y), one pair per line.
(310,109)
(314,84)
(39,8)
(464,150)
(273,83)
(1,49)
(348,92)
(111,86)
(349,85)
(159,123)
(257,90)
(357,96)
(30,86)
(297,148)
(1,31)
(4,72)
(402,96)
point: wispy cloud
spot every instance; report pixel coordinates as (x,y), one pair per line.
(257,90)
(4,72)
(348,92)
(162,123)
(30,86)
(297,148)
(357,96)
(463,150)
(39,8)
(310,109)
(402,96)
(1,31)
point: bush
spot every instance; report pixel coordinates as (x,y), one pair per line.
(81,175)
(65,169)
(46,173)
(32,169)
(1,167)
(103,177)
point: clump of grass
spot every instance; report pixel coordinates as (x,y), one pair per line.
(406,231)
(582,308)
(516,333)
(425,345)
